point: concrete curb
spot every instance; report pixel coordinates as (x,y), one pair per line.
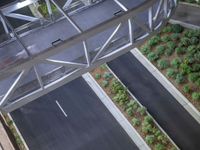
(105,99)
(5,145)
(18,132)
(189,4)
(167,84)
(147,110)
(184,24)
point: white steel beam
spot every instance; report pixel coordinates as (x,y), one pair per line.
(22,17)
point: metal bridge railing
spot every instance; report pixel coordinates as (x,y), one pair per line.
(126,30)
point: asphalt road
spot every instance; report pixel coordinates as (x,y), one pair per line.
(88,125)
(171,116)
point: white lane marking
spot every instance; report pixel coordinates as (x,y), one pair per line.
(61,108)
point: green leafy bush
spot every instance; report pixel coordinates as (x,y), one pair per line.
(147,128)
(196,67)
(162,138)
(154,41)
(196,96)
(121,97)
(129,111)
(167,29)
(142,110)
(44,10)
(163,64)
(150,139)
(176,62)
(165,38)
(171,73)
(152,56)
(105,83)
(175,36)
(171,45)
(145,49)
(136,122)
(192,49)
(176,28)
(160,147)
(169,52)
(185,68)
(148,119)
(194,40)
(160,50)
(186,88)
(107,75)
(185,41)
(116,86)
(197,82)
(180,78)
(97,76)
(103,67)
(180,50)
(192,77)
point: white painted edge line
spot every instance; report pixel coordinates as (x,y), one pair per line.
(147,110)
(117,114)
(60,107)
(167,84)
(18,132)
(184,24)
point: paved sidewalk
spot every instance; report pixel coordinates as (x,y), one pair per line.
(167,84)
(5,143)
(187,15)
(133,134)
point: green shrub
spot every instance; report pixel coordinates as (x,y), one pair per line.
(107,75)
(196,96)
(116,86)
(158,133)
(162,138)
(44,10)
(142,110)
(103,67)
(186,89)
(171,45)
(152,56)
(167,29)
(133,104)
(154,41)
(180,78)
(105,83)
(160,147)
(169,52)
(163,64)
(136,122)
(192,77)
(145,49)
(194,40)
(121,97)
(197,82)
(185,41)
(171,73)
(165,38)
(189,59)
(196,67)
(191,33)
(180,50)
(129,111)
(150,139)
(197,56)
(176,62)
(192,49)
(185,68)
(176,28)
(160,50)
(97,76)
(148,119)
(147,128)
(175,36)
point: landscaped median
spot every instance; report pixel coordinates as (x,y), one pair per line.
(15,133)
(135,113)
(175,51)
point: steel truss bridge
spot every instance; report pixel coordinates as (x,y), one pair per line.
(71,38)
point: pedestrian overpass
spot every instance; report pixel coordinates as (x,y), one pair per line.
(49,49)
